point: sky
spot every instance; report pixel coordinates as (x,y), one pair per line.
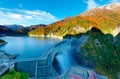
(32,12)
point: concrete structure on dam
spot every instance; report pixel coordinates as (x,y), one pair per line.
(57,63)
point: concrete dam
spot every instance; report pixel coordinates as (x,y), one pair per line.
(58,62)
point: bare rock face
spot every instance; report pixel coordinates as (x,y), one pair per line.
(116,31)
(79,29)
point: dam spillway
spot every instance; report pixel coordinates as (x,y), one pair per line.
(55,62)
(60,52)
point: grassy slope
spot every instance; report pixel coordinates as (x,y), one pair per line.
(14,75)
(103,56)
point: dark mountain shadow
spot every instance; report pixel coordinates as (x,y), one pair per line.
(5,30)
(101,52)
(92,31)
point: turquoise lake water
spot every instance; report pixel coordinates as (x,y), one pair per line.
(27,47)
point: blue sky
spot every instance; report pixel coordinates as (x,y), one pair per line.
(31,12)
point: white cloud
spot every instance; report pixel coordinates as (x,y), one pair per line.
(91,4)
(25,17)
(15,16)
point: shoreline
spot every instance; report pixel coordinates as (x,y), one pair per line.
(6,63)
(3,43)
(58,37)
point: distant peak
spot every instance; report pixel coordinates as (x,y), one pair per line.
(112,6)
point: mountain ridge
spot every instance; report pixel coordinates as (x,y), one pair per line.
(5,30)
(14,26)
(105,20)
(19,29)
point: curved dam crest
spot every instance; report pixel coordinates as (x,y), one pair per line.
(58,60)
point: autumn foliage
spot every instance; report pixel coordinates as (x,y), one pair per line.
(103,19)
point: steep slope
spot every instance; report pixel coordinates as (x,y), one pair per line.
(4,30)
(101,52)
(107,20)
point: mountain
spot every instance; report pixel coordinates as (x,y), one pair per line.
(37,26)
(106,18)
(14,27)
(5,30)
(114,7)
(25,30)
(19,29)
(101,51)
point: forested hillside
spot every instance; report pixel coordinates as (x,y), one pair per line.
(101,52)
(108,21)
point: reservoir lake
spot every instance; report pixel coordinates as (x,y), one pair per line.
(27,47)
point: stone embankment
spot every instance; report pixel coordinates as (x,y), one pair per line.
(5,63)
